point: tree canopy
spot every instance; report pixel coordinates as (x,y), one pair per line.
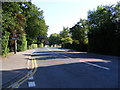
(54,39)
(104,36)
(99,33)
(23,20)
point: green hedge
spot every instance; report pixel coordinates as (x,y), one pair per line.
(41,45)
(5,39)
(32,46)
(22,43)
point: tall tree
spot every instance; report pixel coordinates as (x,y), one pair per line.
(36,25)
(102,30)
(79,35)
(23,20)
(65,32)
(54,39)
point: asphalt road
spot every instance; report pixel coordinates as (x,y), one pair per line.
(63,68)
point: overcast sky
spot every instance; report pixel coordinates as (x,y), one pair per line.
(59,13)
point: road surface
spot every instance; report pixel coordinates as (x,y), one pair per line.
(64,68)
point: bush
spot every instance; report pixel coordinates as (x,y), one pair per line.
(33,46)
(76,46)
(5,39)
(22,43)
(41,45)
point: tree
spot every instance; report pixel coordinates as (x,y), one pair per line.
(79,35)
(64,33)
(54,39)
(10,26)
(38,28)
(23,20)
(103,29)
(65,37)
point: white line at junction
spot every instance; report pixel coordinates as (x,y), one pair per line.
(31,78)
(31,84)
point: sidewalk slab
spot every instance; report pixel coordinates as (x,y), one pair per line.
(14,65)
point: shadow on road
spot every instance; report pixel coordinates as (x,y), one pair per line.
(75,75)
(57,70)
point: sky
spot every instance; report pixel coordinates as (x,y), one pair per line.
(66,13)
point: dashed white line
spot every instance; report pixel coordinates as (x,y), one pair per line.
(31,84)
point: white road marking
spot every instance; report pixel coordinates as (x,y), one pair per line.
(30,57)
(28,64)
(97,65)
(17,87)
(49,49)
(31,84)
(106,68)
(67,56)
(30,72)
(31,78)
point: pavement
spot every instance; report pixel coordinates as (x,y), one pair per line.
(14,65)
(63,68)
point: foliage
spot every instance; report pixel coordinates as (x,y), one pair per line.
(5,39)
(67,40)
(22,43)
(79,31)
(32,46)
(65,37)
(37,29)
(41,45)
(64,33)
(21,20)
(100,33)
(54,39)
(79,35)
(104,36)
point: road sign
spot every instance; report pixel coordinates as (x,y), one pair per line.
(14,38)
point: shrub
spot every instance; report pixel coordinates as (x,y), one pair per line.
(22,43)
(33,46)
(41,45)
(5,39)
